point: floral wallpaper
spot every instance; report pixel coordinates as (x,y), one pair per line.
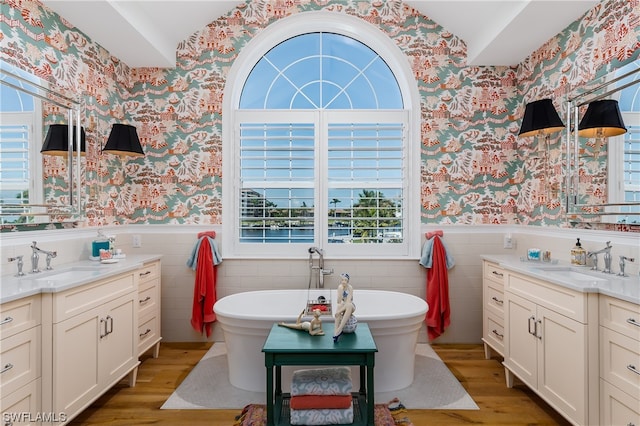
(474,170)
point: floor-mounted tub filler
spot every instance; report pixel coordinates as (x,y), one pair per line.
(394,319)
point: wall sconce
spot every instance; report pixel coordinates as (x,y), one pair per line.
(123,141)
(57,140)
(540,119)
(602,120)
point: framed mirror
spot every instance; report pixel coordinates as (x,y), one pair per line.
(603,148)
(38,185)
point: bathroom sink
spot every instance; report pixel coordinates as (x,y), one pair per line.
(568,272)
(69,275)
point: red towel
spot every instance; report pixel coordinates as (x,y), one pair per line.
(437,290)
(315,402)
(204,291)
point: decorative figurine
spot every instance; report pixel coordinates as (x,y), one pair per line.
(345,321)
(314,327)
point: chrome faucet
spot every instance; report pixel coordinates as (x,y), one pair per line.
(607,258)
(622,265)
(35,257)
(320,268)
(20,264)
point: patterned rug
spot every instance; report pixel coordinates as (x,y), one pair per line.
(391,414)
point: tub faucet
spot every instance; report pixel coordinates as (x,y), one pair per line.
(320,268)
(622,265)
(35,257)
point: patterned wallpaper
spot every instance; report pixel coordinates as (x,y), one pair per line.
(474,168)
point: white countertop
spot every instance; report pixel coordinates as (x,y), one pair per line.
(64,277)
(574,277)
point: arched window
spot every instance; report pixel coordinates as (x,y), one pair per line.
(321,149)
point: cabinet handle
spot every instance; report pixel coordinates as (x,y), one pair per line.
(500,336)
(109,321)
(7,367)
(103,321)
(498,301)
(7,320)
(533,333)
(145,300)
(145,333)
(499,274)
(633,368)
(539,336)
(142,274)
(633,321)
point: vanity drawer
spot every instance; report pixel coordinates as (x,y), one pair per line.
(19,360)
(494,298)
(148,298)
(148,333)
(621,316)
(19,315)
(494,333)
(148,272)
(620,361)
(562,300)
(617,408)
(21,402)
(80,299)
(493,272)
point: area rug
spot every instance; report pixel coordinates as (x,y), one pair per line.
(207,386)
(391,414)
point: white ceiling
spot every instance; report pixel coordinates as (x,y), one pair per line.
(145,33)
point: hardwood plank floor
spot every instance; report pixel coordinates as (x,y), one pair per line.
(157,379)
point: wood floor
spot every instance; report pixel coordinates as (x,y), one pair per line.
(157,379)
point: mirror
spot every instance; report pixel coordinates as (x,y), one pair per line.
(603,168)
(37,187)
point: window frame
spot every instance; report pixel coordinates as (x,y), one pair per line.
(276,33)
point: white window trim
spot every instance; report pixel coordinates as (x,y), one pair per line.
(284,29)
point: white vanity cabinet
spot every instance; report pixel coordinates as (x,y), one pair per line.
(20,356)
(149,308)
(493,308)
(551,344)
(619,362)
(94,340)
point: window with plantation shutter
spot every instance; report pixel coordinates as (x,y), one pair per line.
(321,148)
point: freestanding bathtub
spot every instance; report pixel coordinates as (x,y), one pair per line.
(394,319)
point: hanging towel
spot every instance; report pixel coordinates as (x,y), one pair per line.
(435,258)
(204,259)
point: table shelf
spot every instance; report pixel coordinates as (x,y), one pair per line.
(282,410)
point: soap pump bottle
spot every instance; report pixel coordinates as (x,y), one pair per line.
(101,242)
(578,254)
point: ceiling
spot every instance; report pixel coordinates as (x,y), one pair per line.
(145,33)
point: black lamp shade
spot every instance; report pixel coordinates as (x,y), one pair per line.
(602,119)
(124,141)
(540,118)
(57,140)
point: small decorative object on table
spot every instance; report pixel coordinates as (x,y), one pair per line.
(533,254)
(314,327)
(345,321)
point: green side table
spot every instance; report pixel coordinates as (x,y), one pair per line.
(285,346)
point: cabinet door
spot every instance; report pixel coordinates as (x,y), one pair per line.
(562,363)
(520,341)
(75,361)
(119,348)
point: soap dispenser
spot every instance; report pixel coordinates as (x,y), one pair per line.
(578,254)
(101,242)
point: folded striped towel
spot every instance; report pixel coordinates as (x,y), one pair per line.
(322,381)
(333,416)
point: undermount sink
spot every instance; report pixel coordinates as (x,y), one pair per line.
(69,274)
(569,273)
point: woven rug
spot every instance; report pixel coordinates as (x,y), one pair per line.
(207,386)
(391,414)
